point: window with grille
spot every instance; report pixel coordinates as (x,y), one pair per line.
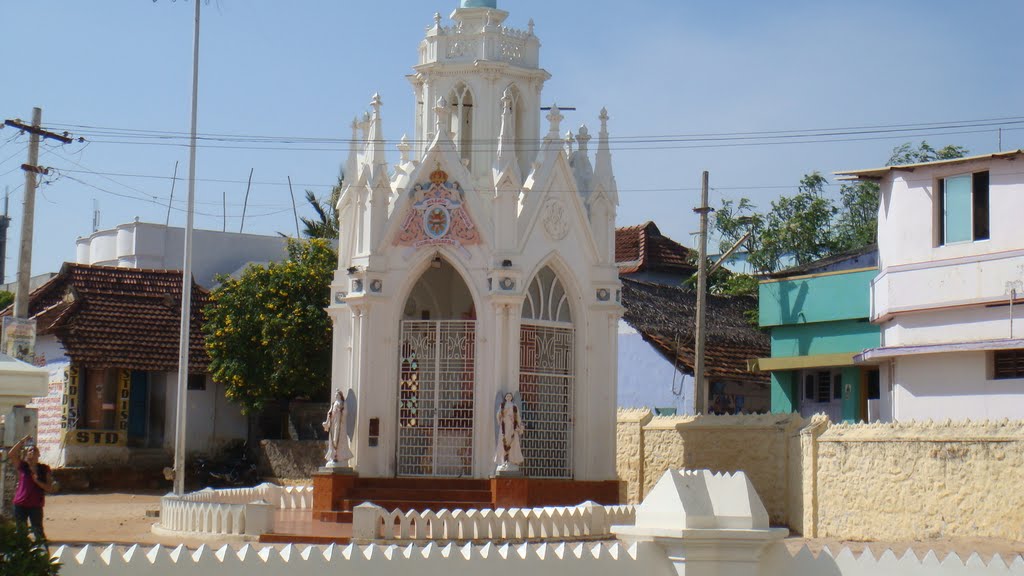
(547,369)
(1008,364)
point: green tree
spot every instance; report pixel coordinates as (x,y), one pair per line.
(325,224)
(907,154)
(19,554)
(6,299)
(267,334)
(809,225)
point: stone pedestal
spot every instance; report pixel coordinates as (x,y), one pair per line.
(331,489)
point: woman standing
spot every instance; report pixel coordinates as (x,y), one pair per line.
(34,481)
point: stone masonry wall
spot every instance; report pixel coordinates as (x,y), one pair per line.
(629,456)
(755,444)
(901,481)
(921,480)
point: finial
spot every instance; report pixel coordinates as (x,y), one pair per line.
(529,27)
(583,138)
(403,148)
(569,141)
(376,102)
(603,117)
(437,20)
(555,118)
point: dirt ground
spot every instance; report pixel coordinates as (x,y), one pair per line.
(118,518)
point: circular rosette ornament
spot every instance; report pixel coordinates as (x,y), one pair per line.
(436,221)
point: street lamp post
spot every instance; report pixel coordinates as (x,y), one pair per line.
(186,280)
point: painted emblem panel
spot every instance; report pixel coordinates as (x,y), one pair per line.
(438,215)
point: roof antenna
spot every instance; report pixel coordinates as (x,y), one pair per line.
(95,215)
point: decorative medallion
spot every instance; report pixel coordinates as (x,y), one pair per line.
(507,283)
(438,216)
(357,285)
(376,285)
(339,297)
(556,225)
(603,295)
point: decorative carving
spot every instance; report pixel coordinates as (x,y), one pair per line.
(339,297)
(376,285)
(357,285)
(438,216)
(556,225)
(603,295)
(507,283)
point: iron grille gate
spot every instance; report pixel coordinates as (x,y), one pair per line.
(546,376)
(435,398)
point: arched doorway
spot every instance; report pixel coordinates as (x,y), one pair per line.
(437,368)
(547,374)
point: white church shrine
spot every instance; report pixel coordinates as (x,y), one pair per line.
(482,263)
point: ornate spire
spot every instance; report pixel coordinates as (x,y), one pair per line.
(555,122)
(505,163)
(351,169)
(603,175)
(569,141)
(583,138)
(375,153)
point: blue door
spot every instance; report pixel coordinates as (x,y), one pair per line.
(138,407)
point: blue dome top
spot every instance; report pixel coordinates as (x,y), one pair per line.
(480,4)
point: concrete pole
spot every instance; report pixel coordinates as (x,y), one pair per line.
(700,392)
(186,280)
(27,220)
(5,221)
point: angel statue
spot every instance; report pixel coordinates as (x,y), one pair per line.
(509,455)
(338,452)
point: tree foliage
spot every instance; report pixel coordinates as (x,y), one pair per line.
(19,554)
(267,333)
(809,225)
(6,299)
(908,154)
(325,224)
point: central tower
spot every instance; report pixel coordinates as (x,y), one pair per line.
(471,64)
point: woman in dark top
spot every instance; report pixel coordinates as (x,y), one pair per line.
(34,481)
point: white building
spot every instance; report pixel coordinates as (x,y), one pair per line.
(481,264)
(950,282)
(159,247)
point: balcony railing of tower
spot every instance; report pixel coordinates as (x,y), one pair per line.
(494,43)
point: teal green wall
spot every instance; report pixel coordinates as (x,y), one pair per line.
(824,338)
(784,392)
(817,299)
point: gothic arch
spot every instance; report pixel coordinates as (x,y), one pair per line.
(461,100)
(548,359)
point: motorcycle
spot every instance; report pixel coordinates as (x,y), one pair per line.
(233,468)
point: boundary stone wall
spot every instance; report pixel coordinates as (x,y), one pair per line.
(894,481)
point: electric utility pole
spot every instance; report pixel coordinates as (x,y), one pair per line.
(31,168)
(700,388)
(5,221)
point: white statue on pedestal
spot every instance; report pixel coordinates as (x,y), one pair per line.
(338,452)
(509,455)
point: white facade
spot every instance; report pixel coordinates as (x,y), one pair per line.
(476,267)
(159,247)
(949,289)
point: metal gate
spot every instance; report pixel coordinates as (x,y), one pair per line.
(546,375)
(435,398)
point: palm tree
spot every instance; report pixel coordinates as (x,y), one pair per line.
(325,224)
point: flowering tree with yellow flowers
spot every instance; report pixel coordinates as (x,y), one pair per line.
(267,334)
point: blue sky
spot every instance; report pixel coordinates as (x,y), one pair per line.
(305,68)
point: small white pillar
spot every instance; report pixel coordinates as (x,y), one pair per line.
(259,518)
(707,524)
(365,522)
